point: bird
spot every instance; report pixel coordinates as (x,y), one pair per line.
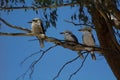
(88,39)
(37,28)
(69,36)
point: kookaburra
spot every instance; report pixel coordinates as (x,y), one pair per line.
(88,40)
(37,28)
(69,36)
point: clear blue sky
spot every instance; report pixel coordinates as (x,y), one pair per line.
(15,49)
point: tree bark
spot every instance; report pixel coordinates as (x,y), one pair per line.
(107,40)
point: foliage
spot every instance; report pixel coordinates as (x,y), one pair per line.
(11,3)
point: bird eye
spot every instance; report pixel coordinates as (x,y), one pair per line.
(34,20)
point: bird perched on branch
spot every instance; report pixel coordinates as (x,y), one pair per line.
(69,36)
(37,28)
(88,40)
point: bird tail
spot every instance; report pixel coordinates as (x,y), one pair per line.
(41,42)
(93,55)
(81,55)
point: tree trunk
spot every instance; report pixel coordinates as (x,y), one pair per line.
(107,40)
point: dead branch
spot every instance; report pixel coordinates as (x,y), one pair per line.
(15,27)
(38,60)
(30,56)
(16,34)
(58,74)
(78,68)
(31,67)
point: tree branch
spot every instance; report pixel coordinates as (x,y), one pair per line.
(30,56)
(58,74)
(16,34)
(15,27)
(66,44)
(78,68)
(38,60)
(31,67)
(39,7)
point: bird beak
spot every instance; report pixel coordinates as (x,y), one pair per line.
(62,33)
(29,22)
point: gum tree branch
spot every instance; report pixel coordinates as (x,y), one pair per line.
(38,60)
(30,56)
(77,47)
(31,67)
(15,27)
(70,45)
(58,74)
(61,69)
(78,68)
(65,44)
(16,34)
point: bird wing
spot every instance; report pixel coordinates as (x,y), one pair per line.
(43,31)
(75,38)
(93,37)
(88,39)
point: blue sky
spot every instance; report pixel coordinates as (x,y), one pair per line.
(16,49)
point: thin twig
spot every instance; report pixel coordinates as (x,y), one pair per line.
(33,40)
(78,68)
(15,27)
(23,75)
(30,56)
(36,61)
(64,67)
(31,67)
